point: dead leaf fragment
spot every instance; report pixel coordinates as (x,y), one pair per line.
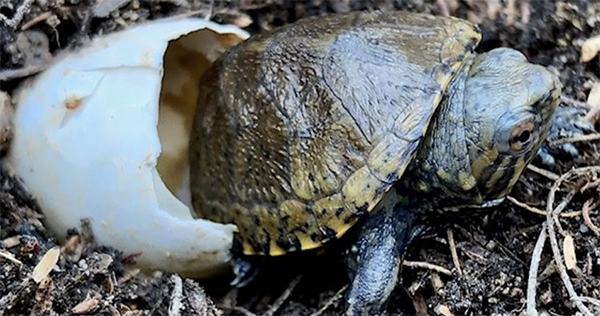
(569,252)
(12,241)
(99,262)
(590,48)
(444,310)
(243,20)
(593,101)
(87,306)
(43,268)
(594,97)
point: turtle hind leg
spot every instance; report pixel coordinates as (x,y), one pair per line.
(374,259)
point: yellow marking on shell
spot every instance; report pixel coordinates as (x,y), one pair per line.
(412,123)
(441,75)
(466,180)
(243,218)
(275,250)
(298,216)
(360,190)
(389,158)
(323,181)
(438,97)
(306,243)
(268,228)
(466,31)
(329,218)
(455,50)
(450,48)
(303,188)
(247,248)
(483,161)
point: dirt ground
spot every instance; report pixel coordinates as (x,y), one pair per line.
(494,251)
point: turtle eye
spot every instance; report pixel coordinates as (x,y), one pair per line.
(521,136)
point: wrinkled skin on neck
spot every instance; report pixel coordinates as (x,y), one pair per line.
(472,155)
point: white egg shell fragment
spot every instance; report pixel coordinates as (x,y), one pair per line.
(103,134)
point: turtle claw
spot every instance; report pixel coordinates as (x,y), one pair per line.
(568,122)
(244,271)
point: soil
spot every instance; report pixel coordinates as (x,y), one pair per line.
(489,275)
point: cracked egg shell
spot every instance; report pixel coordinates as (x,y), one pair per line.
(103,134)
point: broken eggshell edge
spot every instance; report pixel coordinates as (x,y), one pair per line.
(87,143)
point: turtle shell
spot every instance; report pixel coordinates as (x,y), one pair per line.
(302,131)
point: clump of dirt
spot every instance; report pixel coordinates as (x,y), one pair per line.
(489,275)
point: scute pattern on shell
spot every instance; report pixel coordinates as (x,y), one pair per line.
(302,131)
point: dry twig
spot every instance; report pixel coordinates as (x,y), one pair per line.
(510,12)
(452,245)
(284,296)
(426,265)
(241,310)
(524,206)
(536,210)
(580,138)
(590,300)
(593,99)
(572,102)
(532,281)
(552,220)
(338,295)
(589,185)
(587,207)
(443,6)
(41,17)
(525,12)
(543,172)
(9,256)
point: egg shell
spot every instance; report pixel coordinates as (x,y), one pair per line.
(89,143)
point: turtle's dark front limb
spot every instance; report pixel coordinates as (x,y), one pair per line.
(374,259)
(568,122)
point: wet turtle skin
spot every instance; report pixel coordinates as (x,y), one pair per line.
(387,120)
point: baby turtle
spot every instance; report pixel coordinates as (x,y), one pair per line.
(388,120)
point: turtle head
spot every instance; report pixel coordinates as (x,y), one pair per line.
(508,107)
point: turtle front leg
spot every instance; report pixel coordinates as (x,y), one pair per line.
(374,259)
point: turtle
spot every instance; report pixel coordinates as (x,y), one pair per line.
(378,123)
